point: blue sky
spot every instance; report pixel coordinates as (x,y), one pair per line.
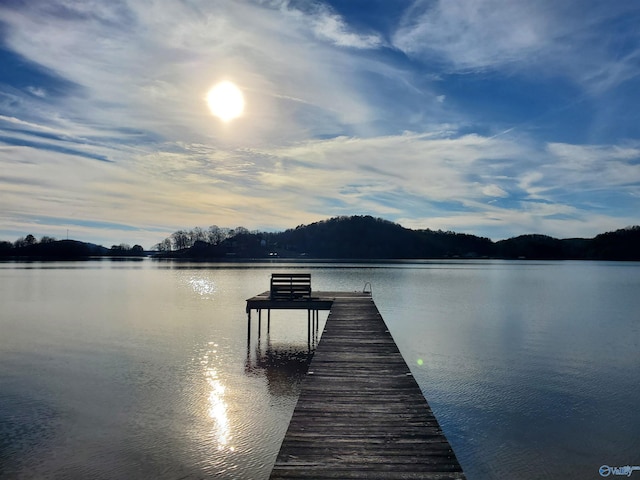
(490,117)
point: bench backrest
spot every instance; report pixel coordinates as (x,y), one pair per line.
(290,285)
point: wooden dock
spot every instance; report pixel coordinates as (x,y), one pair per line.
(319,301)
(361,413)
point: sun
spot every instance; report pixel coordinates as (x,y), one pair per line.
(225,101)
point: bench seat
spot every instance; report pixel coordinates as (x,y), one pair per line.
(290,286)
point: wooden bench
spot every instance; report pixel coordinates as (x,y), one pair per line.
(290,286)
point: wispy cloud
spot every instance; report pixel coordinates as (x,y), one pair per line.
(330,26)
(471,34)
(590,168)
(544,38)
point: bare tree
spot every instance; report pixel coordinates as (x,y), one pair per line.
(25,241)
(215,234)
(163,246)
(180,240)
(198,235)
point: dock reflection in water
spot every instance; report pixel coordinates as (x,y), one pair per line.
(283,365)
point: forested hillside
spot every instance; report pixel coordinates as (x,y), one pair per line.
(365,237)
(356,237)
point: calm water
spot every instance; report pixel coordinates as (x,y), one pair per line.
(143,370)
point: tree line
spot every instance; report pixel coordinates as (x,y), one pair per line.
(213,235)
(50,247)
(366,237)
(355,237)
(25,242)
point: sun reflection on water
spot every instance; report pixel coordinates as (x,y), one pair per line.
(202,286)
(217,407)
(218,411)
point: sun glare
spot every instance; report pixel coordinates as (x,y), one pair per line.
(225,101)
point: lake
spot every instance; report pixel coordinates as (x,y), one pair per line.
(142,369)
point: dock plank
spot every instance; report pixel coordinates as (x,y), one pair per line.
(361,413)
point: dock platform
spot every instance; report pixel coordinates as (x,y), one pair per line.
(360,413)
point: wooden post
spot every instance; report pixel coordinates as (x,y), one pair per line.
(259,322)
(317,321)
(268,320)
(248,327)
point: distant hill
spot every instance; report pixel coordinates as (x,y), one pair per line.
(58,249)
(619,245)
(64,249)
(355,237)
(366,237)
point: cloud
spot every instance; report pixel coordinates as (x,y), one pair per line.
(494,191)
(597,167)
(423,180)
(440,175)
(37,91)
(326,24)
(591,154)
(330,26)
(155,67)
(538,39)
(472,34)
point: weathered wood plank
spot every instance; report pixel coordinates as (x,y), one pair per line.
(360,413)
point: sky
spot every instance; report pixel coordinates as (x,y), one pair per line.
(491,117)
